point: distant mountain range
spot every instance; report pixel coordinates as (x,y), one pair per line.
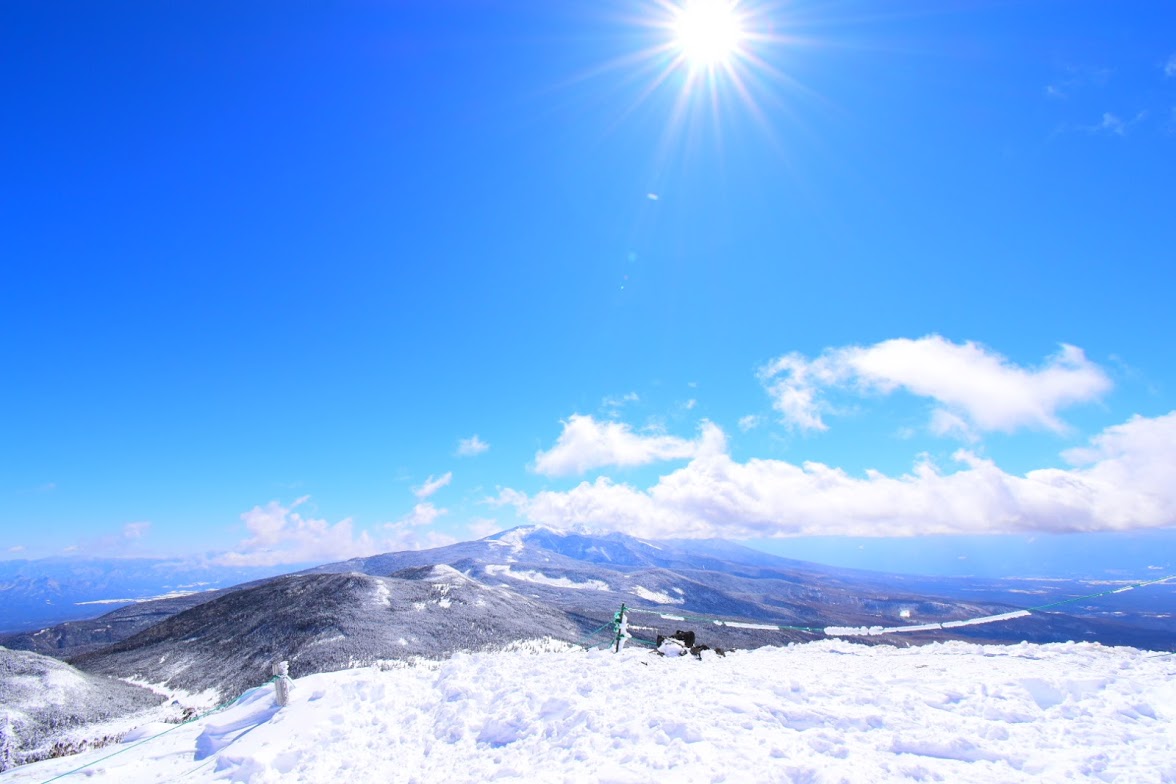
(51,590)
(533,582)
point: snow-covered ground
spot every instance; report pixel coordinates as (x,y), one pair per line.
(828,711)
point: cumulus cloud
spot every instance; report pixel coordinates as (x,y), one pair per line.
(406,533)
(974,388)
(1121,481)
(281,535)
(432,485)
(471,447)
(586,444)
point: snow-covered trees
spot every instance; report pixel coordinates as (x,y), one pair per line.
(7,742)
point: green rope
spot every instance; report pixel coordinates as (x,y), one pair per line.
(1121,589)
(821,630)
(217,709)
(720,622)
(590,635)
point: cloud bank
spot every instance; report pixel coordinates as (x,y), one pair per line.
(281,535)
(973,389)
(1121,481)
(586,444)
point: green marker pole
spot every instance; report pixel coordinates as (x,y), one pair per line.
(621,624)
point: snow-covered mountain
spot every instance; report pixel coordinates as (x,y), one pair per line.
(533,582)
(325,622)
(45,702)
(828,712)
(594,574)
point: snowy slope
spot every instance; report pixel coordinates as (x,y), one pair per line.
(45,702)
(819,713)
(324,622)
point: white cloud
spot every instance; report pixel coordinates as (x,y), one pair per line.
(471,447)
(586,444)
(611,406)
(1170,66)
(16,548)
(432,485)
(481,527)
(945,423)
(975,389)
(749,422)
(281,535)
(1073,79)
(1112,123)
(136,530)
(1122,481)
(422,514)
(405,533)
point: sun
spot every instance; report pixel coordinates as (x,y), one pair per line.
(708,33)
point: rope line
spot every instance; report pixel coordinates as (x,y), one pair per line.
(590,635)
(205,715)
(774,627)
(871,631)
(1123,589)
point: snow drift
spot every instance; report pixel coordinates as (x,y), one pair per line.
(824,712)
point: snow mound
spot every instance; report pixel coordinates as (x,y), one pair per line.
(542,579)
(656,597)
(824,712)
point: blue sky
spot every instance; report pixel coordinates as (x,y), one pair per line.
(900,273)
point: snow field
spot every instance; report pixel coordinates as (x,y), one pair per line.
(821,713)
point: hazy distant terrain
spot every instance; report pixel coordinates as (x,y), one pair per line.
(49,591)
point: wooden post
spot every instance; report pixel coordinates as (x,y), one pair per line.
(282,684)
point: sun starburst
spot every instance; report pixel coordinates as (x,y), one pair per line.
(708,33)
